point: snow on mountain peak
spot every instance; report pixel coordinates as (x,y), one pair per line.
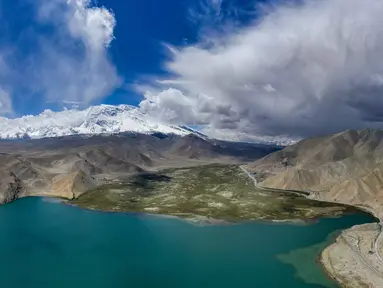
(109,119)
(94,120)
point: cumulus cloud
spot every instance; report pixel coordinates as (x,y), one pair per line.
(73,63)
(170,104)
(94,25)
(301,69)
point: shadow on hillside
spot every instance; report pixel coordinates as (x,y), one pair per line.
(146,183)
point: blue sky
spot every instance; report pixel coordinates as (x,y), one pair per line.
(138,50)
(142,29)
(245,67)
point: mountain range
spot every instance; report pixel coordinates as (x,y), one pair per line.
(71,165)
(109,119)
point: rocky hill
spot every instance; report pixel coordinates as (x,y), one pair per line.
(194,147)
(346,167)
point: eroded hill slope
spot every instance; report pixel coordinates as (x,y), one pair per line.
(346,167)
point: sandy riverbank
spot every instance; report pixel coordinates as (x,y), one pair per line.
(350,260)
(354,259)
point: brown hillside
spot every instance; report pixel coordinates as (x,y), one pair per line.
(346,167)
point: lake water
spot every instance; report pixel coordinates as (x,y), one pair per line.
(44,243)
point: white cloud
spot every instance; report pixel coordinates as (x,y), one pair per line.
(73,63)
(5,102)
(172,105)
(94,25)
(169,103)
(232,135)
(305,69)
(6,107)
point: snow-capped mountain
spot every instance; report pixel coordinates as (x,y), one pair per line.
(102,119)
(108,119)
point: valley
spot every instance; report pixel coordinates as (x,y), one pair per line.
(69,166)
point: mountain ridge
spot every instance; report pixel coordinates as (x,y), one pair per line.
(109,119)
(346,167)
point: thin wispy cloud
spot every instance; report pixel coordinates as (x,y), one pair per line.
(299,69)
(5,103)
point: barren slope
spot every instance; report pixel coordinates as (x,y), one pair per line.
(346,167)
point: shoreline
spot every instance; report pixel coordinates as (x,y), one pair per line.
(198,218)
(334,247)
(318,261)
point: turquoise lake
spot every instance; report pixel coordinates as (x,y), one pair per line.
(44,243)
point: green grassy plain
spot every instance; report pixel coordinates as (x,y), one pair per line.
(215,191)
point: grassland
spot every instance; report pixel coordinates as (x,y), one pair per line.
(215,191)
